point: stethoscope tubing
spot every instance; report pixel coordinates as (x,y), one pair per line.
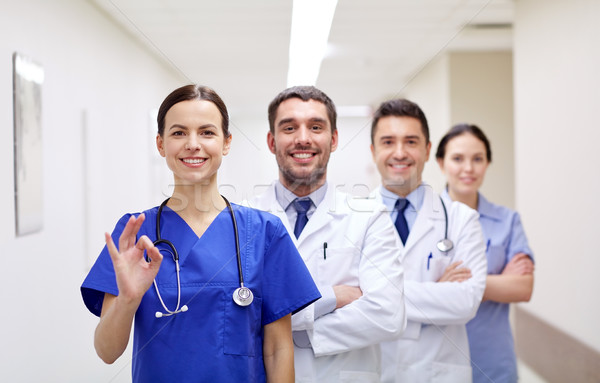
(242,295)
(445,245)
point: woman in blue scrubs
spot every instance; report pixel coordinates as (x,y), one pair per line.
(464,155)
(212,339)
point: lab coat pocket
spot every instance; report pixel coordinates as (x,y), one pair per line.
(339,266)
(241,327)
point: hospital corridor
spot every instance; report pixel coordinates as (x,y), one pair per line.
(84,83)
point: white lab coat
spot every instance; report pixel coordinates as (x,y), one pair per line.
(362,250)
(434,346)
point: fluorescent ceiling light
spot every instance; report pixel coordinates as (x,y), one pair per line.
(311,22)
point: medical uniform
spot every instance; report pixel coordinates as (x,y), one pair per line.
(490,337)
(346,242)
(434,346)
(215,340)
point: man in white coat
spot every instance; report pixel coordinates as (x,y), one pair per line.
(444,281)
(349,246)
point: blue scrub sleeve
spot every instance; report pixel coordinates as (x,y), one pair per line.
(101,278)
(518,240)
(288,286)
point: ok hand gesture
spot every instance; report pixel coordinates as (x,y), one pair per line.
(134,274)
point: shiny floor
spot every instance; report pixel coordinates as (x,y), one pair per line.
(527,375)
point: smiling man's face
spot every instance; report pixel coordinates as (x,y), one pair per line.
(302,143)
(400,151)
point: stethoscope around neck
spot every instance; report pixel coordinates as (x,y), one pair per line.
(242,295)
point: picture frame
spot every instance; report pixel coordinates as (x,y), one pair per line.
(28,77)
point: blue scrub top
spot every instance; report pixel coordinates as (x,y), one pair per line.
(490,337)
(215,340)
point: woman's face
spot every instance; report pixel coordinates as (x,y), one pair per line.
(464,164)
(193,142)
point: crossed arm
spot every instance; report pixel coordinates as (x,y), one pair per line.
(514,284)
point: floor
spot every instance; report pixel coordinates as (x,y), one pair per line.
(527,375)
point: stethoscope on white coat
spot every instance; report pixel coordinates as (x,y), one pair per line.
(445,245)
(242,295)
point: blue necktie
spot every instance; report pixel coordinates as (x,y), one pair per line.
(401,224)
(301,208)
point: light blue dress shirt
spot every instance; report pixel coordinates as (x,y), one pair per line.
(490,337)
(415,199)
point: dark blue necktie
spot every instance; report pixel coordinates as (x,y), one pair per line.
(401,224)
(301,207)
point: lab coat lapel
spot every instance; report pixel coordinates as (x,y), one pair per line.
(268,202)
(430,212)
(320,219)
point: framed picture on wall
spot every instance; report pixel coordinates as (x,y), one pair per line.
(28,77)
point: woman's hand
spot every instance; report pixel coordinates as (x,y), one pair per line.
(453,273)
(134,274)
(134,277)
(520,264)
(514,284)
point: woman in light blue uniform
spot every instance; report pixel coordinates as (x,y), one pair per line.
(463,155)
(188,327)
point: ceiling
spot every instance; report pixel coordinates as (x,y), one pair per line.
(240,47)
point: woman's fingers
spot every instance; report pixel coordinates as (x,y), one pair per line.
(520,264)
(155,257)
(128,236)
(154,254)
(526,266)
(110,245)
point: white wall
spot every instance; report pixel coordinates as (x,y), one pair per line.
(473,87)
(249,167)
(481,93)
(431,90)
(98,78)
(557,98)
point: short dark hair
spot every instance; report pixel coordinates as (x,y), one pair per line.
(193,92)
(305,93)
(400,107)
(458,130)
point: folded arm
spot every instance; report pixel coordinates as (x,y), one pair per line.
(514,284)
(452,302)
(373,311)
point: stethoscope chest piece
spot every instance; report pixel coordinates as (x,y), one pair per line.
(445,245)
(243,296)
